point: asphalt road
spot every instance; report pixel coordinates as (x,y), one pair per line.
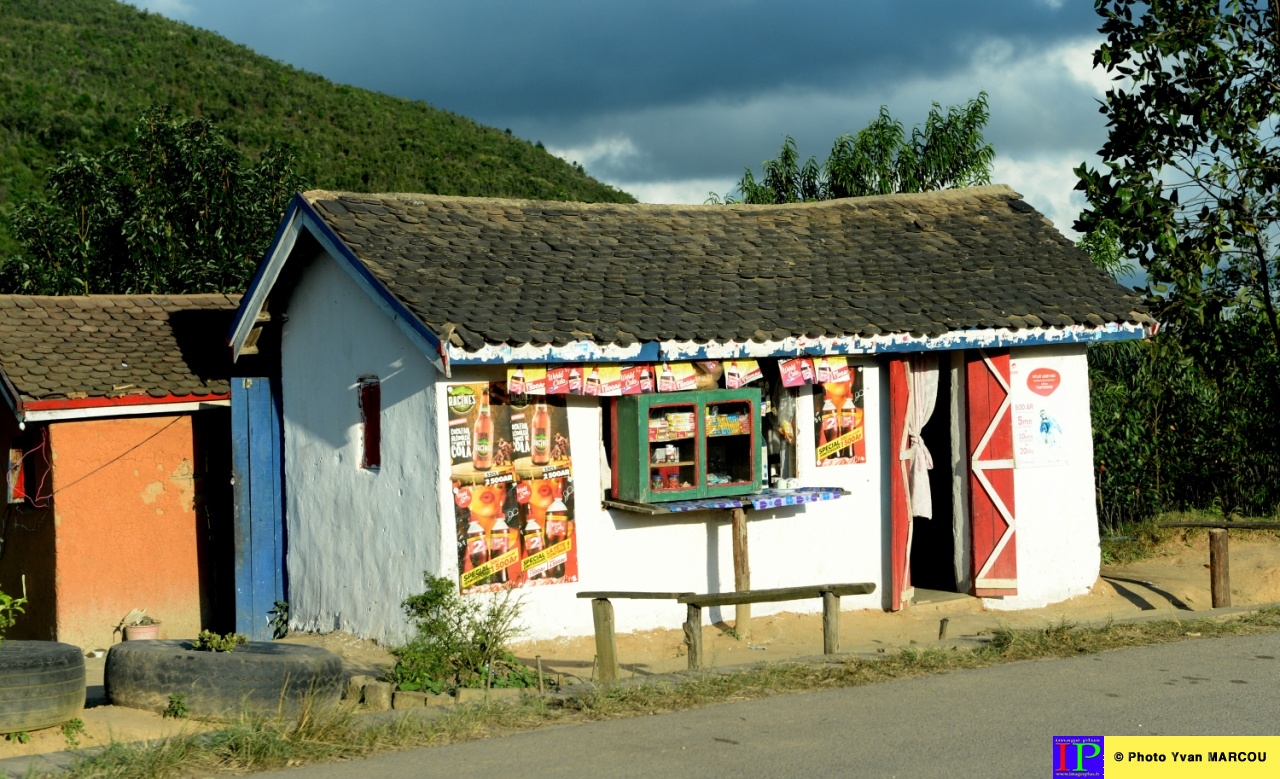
(990,722)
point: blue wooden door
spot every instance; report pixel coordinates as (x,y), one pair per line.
(258,468)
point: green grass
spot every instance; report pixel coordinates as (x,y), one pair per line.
(328,735)
(75,75)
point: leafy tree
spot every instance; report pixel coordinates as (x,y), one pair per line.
(177,209)
(1190,184)
(949,151)
(1103,248)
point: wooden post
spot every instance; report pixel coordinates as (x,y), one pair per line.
(741,572)
(830,623)
(606,646)
(693,636)
(1219,568)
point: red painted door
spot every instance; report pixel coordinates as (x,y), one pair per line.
(990,446)
(899,514)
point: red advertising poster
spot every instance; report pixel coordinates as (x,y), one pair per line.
(796,372)
(637,379)
(512,487)
(839,426)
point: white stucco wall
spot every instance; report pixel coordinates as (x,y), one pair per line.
(1058,552)
(358,539)
(837,541)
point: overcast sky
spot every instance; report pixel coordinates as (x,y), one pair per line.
(670,99)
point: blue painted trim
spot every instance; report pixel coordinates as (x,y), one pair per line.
(265,277)
(259,533)
(302,215)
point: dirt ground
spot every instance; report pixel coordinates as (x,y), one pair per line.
(1176,581)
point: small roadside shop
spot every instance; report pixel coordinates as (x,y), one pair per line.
(564,397)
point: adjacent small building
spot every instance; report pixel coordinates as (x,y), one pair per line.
(118,495)
(563,397)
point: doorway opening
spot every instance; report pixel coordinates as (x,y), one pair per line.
(932,539)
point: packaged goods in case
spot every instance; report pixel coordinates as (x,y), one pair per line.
(699,444)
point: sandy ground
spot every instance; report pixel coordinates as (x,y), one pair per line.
(1176,581)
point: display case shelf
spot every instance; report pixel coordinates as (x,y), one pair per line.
(709,441)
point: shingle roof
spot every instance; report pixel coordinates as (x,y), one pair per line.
(493,271)
(100,346)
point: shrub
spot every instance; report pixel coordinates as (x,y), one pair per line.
(460,641)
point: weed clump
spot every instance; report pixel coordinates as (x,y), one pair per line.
(460,642)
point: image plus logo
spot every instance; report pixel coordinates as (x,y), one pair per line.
(1077,756)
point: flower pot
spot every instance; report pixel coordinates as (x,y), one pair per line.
(138,632)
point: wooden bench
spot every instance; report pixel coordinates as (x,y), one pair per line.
(606,644)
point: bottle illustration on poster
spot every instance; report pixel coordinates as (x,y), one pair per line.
(512,482)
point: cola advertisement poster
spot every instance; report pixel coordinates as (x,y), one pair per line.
(512,483)
(839,424)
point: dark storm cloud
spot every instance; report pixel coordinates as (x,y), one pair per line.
(668,98)
(567,58)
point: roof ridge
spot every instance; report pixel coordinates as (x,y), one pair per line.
(958,193)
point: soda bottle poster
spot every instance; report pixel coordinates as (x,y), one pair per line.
(510,452)
(544,491)
(839,424)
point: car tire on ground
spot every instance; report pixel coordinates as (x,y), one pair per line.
(260,677)
(41,684)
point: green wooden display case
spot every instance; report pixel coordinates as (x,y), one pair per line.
(708,440)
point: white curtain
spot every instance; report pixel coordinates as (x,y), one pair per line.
(922,374)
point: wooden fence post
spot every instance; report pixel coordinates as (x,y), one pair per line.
(693,636)
(606,646)
(741,573)
(1219,568)
(830,623)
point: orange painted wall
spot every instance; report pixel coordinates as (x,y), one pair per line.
(125,526)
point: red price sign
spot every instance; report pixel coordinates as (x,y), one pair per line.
(1043,381)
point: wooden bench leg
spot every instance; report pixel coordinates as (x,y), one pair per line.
(830,623)
(606,645)
(693,636)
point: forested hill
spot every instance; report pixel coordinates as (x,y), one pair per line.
(75,75)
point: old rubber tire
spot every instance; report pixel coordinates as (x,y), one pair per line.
(260,677)
(41,684)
